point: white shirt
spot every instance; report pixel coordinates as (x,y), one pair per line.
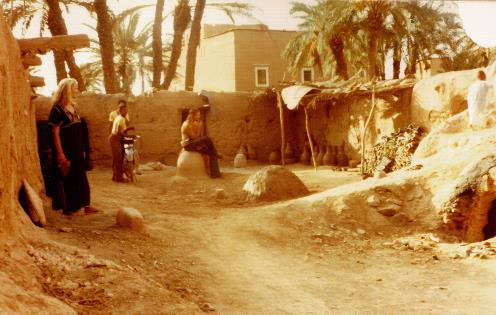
(477,98)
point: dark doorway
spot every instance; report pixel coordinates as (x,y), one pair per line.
(490,229)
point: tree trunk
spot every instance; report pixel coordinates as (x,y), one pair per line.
(182,16)
(364,131)
(194,41)
(372,53)
(106,40)
(157,44)
(57,26)
(337,47)
(396,61)
(59,62)
(411,68)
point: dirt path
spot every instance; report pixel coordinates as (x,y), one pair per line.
(204,254)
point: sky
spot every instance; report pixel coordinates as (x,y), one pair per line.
(273,13)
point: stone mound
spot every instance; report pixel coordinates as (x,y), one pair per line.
(274,183)
(190,164)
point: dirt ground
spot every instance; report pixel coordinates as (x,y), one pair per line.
(203,254)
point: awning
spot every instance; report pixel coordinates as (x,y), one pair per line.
(292,95)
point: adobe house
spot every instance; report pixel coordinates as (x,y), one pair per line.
(241,58)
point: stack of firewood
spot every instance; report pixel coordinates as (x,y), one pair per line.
(394,151)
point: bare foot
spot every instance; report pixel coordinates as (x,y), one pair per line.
(78,213)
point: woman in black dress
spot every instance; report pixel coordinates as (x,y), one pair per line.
(68,147)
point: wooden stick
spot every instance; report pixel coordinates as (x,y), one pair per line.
(30,60)
(43,44)
(364,133)
(281,119)
(36,81)
(310,140)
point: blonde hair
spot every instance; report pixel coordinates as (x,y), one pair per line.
(64,89)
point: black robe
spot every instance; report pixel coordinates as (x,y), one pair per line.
(72,191)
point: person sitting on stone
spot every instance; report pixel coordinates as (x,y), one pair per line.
(193,139)
(477,98)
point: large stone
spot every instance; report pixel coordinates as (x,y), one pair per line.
(130,218)
(274,183)
(35,204)
(190,164)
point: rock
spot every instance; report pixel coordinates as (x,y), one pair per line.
(361,232)
(191,165)
(35,205)
(274,183)
(388,211)
(379,174)
(130,218)
(400,219)
(220,193)
(373,201)
(66,229)
(207,307)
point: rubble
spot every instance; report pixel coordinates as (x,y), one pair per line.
(392,152)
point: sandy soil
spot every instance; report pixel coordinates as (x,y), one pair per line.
(202,254)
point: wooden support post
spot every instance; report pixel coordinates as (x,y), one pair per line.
(281,119)
(36,81)
(310,142)
(364,132)
(43,44)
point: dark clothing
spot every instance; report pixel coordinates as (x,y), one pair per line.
(72,191)
(117,157)
(205,146)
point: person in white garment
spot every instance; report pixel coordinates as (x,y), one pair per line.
(477,98)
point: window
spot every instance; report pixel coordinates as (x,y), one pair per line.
(261,76)
(307,75)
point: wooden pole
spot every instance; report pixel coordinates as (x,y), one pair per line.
(310,142)
(281,119)
(364,133)
(43,44)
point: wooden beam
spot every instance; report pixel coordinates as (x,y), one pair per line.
(62,42)
(35,81)
(30,60)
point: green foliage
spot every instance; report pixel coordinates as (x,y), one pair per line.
(368,31)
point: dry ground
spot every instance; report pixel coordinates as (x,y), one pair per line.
(203,254)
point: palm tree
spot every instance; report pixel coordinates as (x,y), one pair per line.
(56,25)
(322,37)
(231,9)
(133,52)
(182,17)
(106,41)
(92,75)
(157,44)
(51,15)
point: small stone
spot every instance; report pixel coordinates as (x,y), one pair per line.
(220,193)
(379,174)
(66,229)
(207,307)
(373,201)
(130,218)
(360,231)
(388,211)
